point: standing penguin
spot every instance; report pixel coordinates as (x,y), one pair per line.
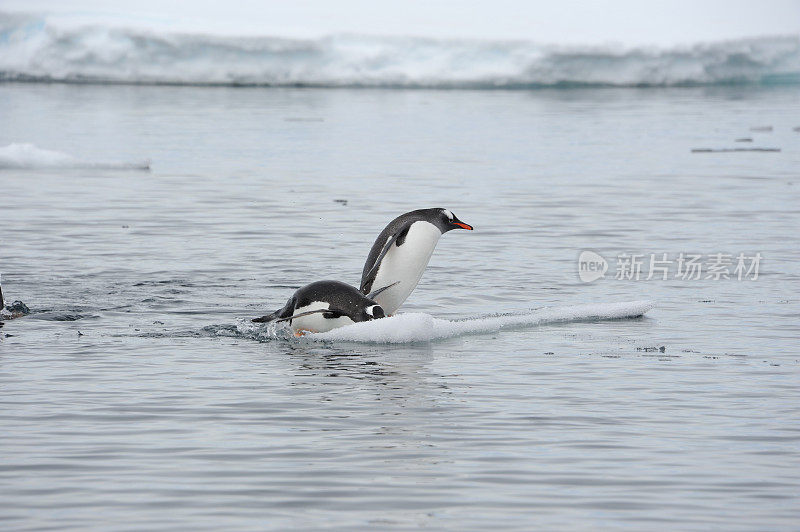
(325,305)
(401,252)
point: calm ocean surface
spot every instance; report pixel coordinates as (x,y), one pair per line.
(134,396)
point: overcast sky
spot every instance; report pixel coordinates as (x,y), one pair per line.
(629,22)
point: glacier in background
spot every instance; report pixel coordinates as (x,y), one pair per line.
(35,50)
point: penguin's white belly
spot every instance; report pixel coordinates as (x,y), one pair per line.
(317,322)
(405,264)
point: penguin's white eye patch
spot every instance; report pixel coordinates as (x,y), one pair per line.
(448,214)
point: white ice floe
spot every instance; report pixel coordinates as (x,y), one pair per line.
(28,156)
(418,327)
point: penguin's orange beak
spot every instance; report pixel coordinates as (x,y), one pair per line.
(462,225)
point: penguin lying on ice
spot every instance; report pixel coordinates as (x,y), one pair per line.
(325,305)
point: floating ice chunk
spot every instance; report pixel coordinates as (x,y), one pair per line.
(419,327)
(28,156)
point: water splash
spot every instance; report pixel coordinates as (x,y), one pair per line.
(17,309)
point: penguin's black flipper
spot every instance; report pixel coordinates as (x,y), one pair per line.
(399,237)
(372,295)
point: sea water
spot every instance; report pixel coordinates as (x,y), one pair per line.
(145,225)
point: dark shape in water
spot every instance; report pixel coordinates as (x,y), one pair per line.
(727,150)
(19,306)
(761,128)
(661,349)
(744,139)
(66,317)
(16,309)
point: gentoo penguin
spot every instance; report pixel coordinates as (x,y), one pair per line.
(402,251)
(325,305)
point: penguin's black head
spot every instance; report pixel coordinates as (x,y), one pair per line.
(372,312)
(447,221)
